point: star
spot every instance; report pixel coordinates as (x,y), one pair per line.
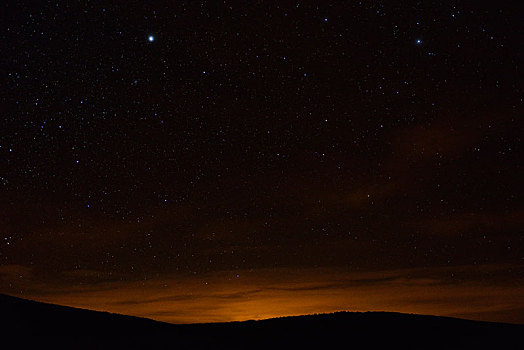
(151,38)
(418,41)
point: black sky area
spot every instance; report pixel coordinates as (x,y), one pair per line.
(144,139)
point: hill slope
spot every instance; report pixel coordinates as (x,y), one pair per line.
(39,325)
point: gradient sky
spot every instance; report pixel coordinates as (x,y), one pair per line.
(216,161)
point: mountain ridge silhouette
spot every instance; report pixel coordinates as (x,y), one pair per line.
(35,324)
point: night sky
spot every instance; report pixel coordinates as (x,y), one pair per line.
(216,161)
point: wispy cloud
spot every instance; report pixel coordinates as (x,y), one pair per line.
(240,295)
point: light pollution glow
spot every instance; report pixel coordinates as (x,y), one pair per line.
(261,294)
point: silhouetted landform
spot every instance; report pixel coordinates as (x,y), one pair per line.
(30,324)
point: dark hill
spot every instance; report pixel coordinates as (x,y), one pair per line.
(30,324)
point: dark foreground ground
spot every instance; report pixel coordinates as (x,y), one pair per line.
(29,324)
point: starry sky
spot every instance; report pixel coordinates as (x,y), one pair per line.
(222,160)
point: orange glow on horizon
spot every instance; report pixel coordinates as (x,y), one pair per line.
(262,294)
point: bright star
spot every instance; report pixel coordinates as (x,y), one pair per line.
(151,38)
